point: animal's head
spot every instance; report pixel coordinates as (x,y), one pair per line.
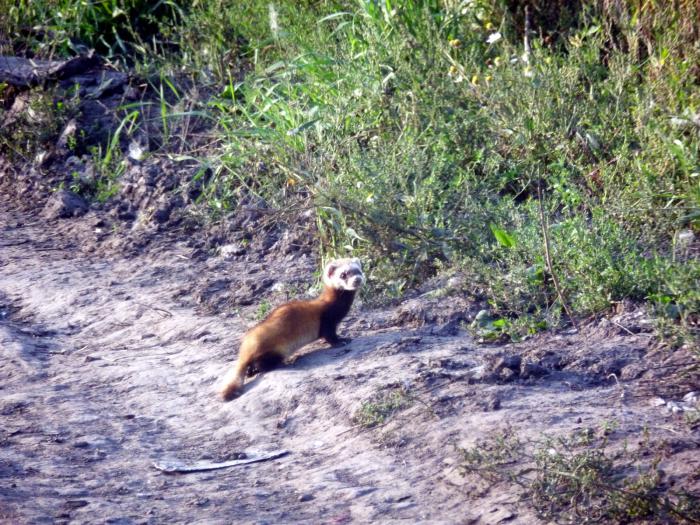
(344,274)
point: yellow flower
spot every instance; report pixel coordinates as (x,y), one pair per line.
(497,61)
(455,42)
(488,26)
(488,78)
(455,74)
(475,80)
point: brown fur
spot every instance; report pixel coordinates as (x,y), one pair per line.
(286,329)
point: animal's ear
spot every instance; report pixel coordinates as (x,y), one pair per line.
(330,269)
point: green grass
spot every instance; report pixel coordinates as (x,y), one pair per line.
(426,143)
(380,407)
(582,479)
(264,308)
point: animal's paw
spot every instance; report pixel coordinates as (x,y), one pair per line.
(228,394)
(340,341)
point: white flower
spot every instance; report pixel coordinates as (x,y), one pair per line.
(493,38)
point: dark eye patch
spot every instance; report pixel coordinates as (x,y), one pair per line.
(343,275)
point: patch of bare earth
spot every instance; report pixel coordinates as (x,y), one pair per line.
(110,363)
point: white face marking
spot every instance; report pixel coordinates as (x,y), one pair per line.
(344,274)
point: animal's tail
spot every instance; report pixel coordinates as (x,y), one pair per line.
(233,381)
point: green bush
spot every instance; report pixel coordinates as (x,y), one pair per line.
(413,132)
(427,135)
(123,29)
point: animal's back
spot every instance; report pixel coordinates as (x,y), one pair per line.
(288,328)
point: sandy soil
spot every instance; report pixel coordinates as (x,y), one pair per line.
(109,364)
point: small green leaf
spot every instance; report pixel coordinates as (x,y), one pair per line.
(499,323)
(503,237)
(302,127)
(229,92)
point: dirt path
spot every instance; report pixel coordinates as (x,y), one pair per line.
(106,370)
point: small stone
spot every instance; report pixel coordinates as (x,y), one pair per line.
(42,158)
(633,371)
(511,361)
(480,373)
(447,329)
(507,374)
(500,515)
(68,134)
(306,497)
(162,214)
(229,250)
(673,407)
(534,370)
(493,403)
(63,204)
(126,213)
(9,407)
(685,237)
(360,491)
(455,282)
(278,287)
(75,503)
(691,398)
(137,152)
(454,477)
(657,402)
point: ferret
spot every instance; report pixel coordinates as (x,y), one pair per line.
(297,323)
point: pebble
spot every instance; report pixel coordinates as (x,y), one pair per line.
(493,403)
(674,407)
(500,515)
(63,204)
(691,398)
(533,370)
(508,374)
(657,402)
(512,361)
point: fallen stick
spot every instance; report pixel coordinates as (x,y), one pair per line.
(174,466)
